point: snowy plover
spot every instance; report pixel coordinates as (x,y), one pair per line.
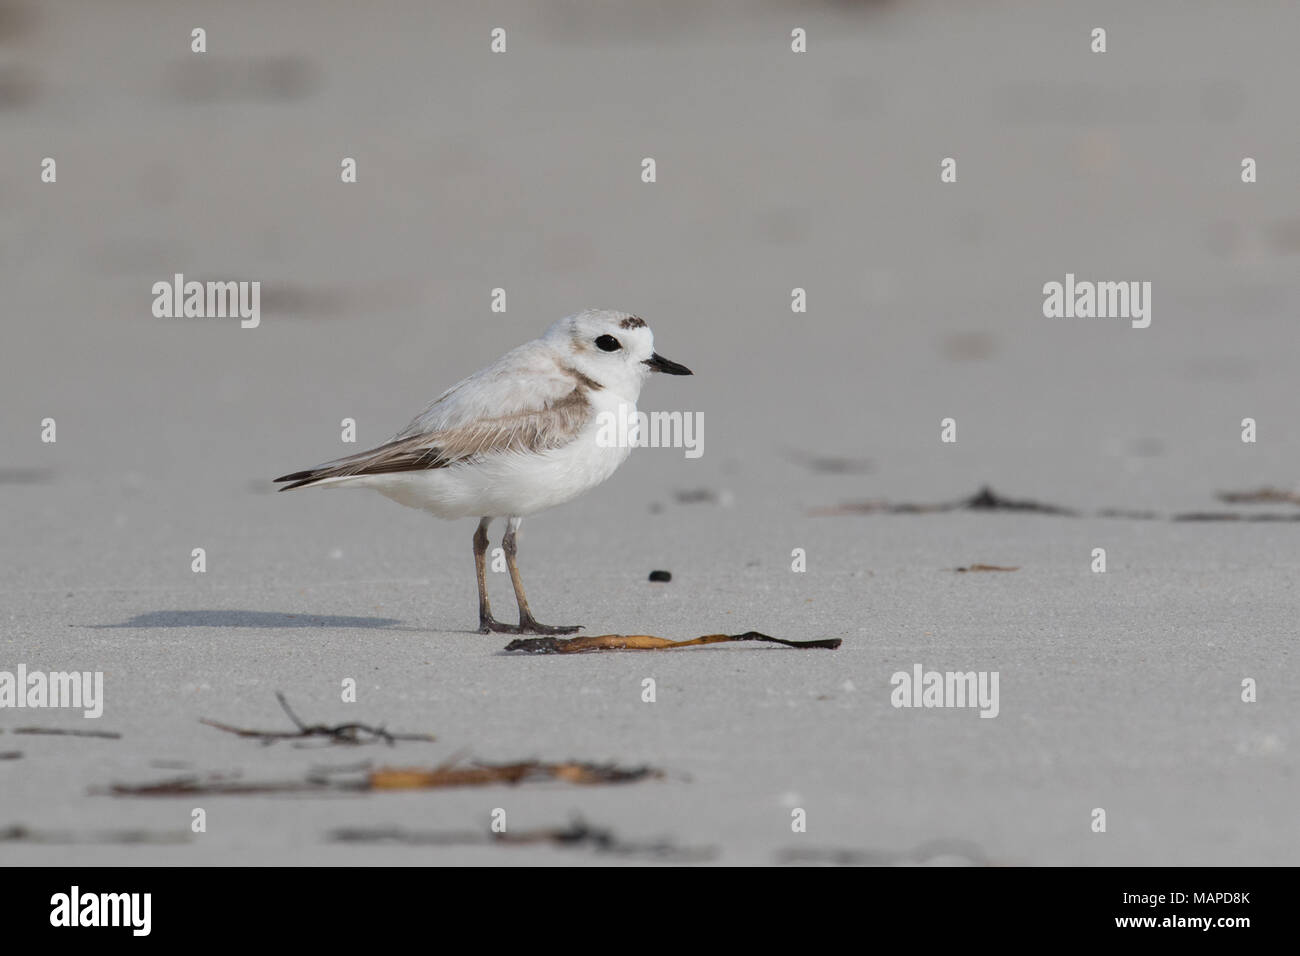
(513,439)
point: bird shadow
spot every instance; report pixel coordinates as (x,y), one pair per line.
(249,619)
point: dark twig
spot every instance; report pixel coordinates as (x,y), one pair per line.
(349,733)
(60,732)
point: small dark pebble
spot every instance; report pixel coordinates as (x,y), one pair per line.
(660,576)
(696,496)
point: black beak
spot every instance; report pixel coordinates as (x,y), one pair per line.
(661,364)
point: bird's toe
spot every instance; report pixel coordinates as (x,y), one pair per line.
(533,627)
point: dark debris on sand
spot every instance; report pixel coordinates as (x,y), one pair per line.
(987,500)
(348,733)
(576,835)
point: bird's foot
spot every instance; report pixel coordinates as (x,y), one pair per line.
(527,626)
(532,627)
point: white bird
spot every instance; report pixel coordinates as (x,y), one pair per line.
(515,438)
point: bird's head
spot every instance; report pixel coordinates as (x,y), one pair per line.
(614,349)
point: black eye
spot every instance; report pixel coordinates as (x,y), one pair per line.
(607,343)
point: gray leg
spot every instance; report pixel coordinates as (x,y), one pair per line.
(485,618)
(527,623)
(486,623)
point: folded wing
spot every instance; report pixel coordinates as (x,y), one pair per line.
(511,407)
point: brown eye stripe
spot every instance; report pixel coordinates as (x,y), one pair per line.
(632,322)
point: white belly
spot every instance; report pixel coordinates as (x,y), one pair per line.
(502,485)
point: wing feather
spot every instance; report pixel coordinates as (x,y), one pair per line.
(507,408)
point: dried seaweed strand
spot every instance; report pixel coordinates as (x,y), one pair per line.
(398,778)
(647,642)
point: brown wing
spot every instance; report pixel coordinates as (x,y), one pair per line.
(551,427)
